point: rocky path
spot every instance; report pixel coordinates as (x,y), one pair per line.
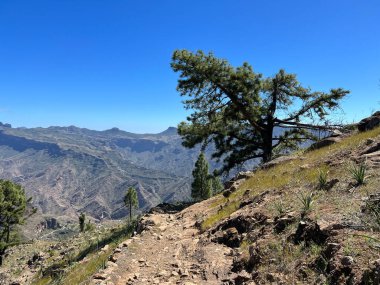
(170,250)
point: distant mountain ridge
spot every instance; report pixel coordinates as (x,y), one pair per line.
(69,169)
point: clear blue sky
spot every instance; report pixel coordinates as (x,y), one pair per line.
(103,64)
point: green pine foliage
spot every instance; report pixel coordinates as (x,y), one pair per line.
(216,184)
(131,201)
(13,205)
(238,109)
(201,188)
(82,219)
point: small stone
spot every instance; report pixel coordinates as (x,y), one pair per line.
(331,249)
(111,264)
(376,263)
(347,260)
(183,273)
(126,243)
(113,258)
(99,276)
(162,273)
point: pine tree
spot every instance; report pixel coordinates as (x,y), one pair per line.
(238,109)
(201,187)
(216,184)
(82,219)
(131,201)
(13,211)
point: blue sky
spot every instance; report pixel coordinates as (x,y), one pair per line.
(104,64)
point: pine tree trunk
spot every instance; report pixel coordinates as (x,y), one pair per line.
(268,143)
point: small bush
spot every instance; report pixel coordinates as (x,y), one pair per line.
(322,178)
(280,208)
(358,172)
(307,200)
(89,227)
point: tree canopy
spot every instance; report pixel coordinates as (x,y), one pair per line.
(131,201)
(13,203)
(201,187)
(238,109)
(82,220)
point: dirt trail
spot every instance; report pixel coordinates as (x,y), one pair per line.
(169,251)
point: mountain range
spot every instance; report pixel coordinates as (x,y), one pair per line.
(67,170)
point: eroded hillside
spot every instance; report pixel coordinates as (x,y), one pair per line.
(68,169)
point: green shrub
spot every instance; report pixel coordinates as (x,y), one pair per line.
(89,227)
(322,178)
(307,200)
(280,207)
(358,172)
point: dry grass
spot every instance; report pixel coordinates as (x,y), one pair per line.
(290,177)
(81,265)
(341,203)
(80,273)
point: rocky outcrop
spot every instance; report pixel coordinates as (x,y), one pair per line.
(309,232)
(369,123)
(168,208)
(325,142)
(278,160)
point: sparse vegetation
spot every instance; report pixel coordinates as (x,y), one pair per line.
(358,172)
(322,178)
(307,200)
(279,207)
(89,226)
(291,180)
(75,271)
(284,174)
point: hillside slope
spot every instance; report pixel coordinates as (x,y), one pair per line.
(68,169)
(278,225)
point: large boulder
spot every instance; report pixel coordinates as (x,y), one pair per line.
(279,160)
(309,232)
(325,142)
(370,122)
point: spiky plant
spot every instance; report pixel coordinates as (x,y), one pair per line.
(322,178)
(358,172)
(307,200)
